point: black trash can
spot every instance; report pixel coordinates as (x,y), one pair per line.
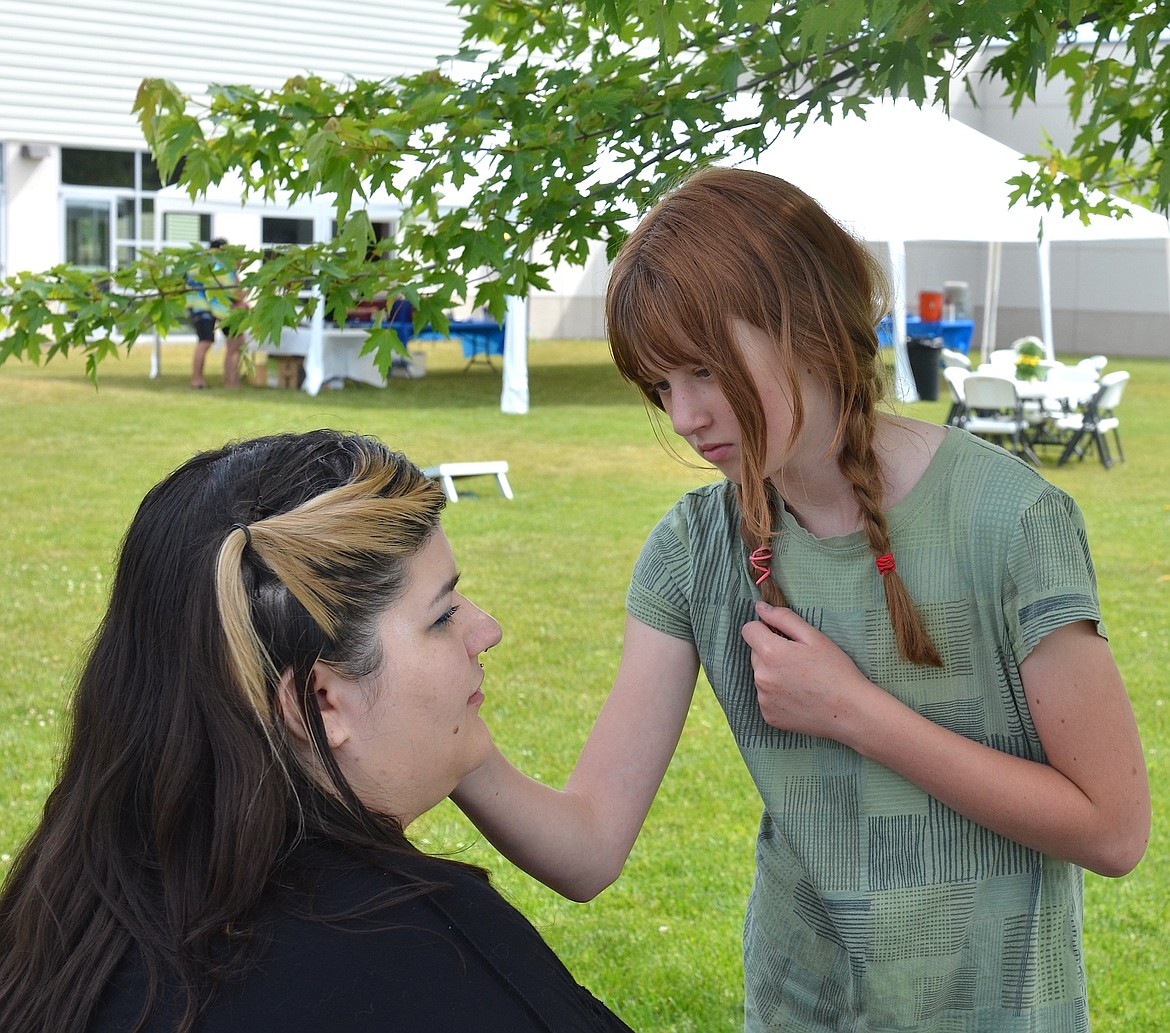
(925,354)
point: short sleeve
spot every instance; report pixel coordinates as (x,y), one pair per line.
(1050,579)
(657,594)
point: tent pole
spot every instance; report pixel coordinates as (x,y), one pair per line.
(1044,260)
(514,396)
(315,357)
(991,298)
(905,389)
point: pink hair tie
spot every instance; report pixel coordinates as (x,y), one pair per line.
(759,560)
(885,564)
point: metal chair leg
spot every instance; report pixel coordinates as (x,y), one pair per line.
(1102,449)
(1071,448)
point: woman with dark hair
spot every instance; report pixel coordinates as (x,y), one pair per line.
(901,624)
(285,678)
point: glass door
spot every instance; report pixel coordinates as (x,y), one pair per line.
(134,228)
(88,233)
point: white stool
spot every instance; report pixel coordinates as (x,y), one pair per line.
(445,474)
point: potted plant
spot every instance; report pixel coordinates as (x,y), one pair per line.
(1029,351)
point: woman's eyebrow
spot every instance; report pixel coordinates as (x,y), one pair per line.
(448,587)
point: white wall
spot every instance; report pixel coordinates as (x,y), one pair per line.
(1107,296)
(575,307)
(69,71)
(33,216)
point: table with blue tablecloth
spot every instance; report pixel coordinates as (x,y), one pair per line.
(956,334)
(479,337)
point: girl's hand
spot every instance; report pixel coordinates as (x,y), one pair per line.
(804,681)
(1088,803)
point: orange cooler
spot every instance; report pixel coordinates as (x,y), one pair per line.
(930,306)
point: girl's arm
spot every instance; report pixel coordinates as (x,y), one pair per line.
(577,839)
(1090,804)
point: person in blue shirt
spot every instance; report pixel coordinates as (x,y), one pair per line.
(207,305)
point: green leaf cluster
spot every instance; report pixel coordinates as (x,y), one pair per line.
(555,125)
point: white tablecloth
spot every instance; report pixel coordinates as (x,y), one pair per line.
(1057,391)
(340,358)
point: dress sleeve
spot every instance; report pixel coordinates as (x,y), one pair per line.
(657,594)
(1050,580)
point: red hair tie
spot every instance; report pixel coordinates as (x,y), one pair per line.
(759,560)
(885,564)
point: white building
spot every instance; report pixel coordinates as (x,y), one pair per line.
(77,184)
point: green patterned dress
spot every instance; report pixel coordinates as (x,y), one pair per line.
(874,906)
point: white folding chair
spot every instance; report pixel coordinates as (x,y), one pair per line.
(949,357)
(993,410)
(1097,419)
(1096,363)
(1083,370)
(954,376)
(1086,371)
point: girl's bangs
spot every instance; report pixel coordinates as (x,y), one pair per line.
(660,331)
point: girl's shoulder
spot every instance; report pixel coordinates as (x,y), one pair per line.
(710,509)
(982,485)
(906,449)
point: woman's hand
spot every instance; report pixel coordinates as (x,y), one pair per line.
(804,681)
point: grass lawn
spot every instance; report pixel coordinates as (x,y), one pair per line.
(590,479)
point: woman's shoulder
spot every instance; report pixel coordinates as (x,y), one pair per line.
(992,496)
(994,475)
(907,450)
(974,489)
(328,881)
(456,954)
(924,454)
(405,942)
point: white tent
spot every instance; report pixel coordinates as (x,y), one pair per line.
(899,174)
(903,173)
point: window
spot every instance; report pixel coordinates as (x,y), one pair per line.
(274,232)
(186,227)
(109,199)
(87,234)
(87,167)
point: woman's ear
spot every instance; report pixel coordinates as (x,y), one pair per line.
(332,694)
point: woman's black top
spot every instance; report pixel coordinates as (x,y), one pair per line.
(456,958)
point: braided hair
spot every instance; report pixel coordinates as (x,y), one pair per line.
(790,270)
